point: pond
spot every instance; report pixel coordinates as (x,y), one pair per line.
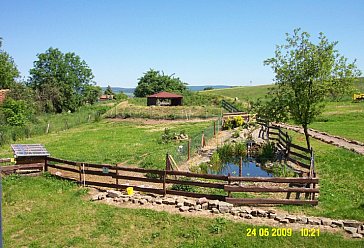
(250,169)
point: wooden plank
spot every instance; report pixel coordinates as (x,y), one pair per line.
(194,183)
(273,133)
(196,195)
(298,162)
(198,175)
(274,127)
(251,201)
(275,179)
(101,184)
(98,173)
(299,155)
(63,168)
(57,160)
(141,179)
(100,166)
(37,166)
(299,148)
(266,189)
(5,160)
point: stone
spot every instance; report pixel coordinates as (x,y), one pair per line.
(280,217)
(191,209)
(235,212)
(313,221)
(326,222)
(113,193)
(180,204)
(198,207)
(169,201)
(215,211)
(183,209)
(360,231)
(214,204)
(271,211)
(158,201)
(202,200)
(262,213)
(350,230)
(351,223)
(95,198)
(254,213)
(272,216)
(225,207)
(118,199)
(142,201)
(205,206)
(248,216)
(338,223)
(247,210)
(357,236)
(284,221)
(303,220)
(291,218)
(189,203)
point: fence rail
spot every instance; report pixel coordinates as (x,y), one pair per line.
(164,178)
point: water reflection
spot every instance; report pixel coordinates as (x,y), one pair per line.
(250,169)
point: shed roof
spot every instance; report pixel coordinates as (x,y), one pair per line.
(164,94)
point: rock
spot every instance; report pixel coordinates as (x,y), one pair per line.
(142,201)
(338,223)
(214,204)
(248,216)
(262,213)
(59,174)
(118,199)
(247,210)
(225,207)
(271,211)
(169,201)
(350,230)
(235,212)
(189,203)
(303,220)
(313,221)
(326,222)
(202,200)
(254,213)
(95,198)
(180,204)
(215,211)
(280,217)
(357,236)
(183,209)
(198,207)
(113,193)
(272,216)
(158,201)
(191,209)
(284,221)
(205,206)
(361,231)
(351,223)
(291,218)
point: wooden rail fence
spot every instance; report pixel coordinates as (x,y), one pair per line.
(115,176)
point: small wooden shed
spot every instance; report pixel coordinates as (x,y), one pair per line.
(164,99)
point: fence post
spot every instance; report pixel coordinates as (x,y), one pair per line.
(203,139)
(80,172)
(214,128)
(45,164)
(164,183)
(241,167)
(229,182)
(267,131)
(47,130)
(117,174)
(168,163)
(189,150)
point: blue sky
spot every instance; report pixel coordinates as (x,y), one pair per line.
(202,42)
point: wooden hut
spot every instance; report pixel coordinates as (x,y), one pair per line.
(164,99)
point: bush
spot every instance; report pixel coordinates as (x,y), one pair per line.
(16,112)
(237,121)
(182,187)
(267,153)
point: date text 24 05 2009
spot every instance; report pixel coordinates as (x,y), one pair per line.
(281,232)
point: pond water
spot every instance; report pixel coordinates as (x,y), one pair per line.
(250,169)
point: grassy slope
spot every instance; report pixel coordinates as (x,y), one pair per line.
(45,212)
(112,142)
(243,93)
(341,181)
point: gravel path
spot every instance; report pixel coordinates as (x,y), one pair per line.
(338,141)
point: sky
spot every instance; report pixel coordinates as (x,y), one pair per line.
(203,42)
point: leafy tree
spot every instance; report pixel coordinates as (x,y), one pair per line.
(109,91)
(305,74)
(91,93)
(155,81)
(16,112)
(60,80)
(8,70)
(208,88)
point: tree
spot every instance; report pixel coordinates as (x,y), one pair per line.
(155,81)
(305,75)
(60,80)
(16,112)
(91,93)
(109,91)
(8,70)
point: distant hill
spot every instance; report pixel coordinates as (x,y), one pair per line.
(130,91)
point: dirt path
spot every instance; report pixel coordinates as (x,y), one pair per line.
(351,145)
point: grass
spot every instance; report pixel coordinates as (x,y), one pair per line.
(341,181)
(45,212)
(343,119)
(112,142)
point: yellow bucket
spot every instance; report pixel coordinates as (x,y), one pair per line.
(130,190)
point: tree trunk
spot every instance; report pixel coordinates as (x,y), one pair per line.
(307,136)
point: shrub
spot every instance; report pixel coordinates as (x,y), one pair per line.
(183,187)
(267,153)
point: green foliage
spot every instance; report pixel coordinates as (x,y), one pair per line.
(236,134)
(191,98)
(282,170)
(235,122)
(267,153)
(109,91)
(120,96)
(169,136)
(183,187)
(305,74)
(91,93)
(8,70)
(15,112)
(61,81)
(208,88)
(154,81)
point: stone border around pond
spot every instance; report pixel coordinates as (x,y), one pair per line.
(354,228)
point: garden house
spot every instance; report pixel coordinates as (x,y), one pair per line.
(164,99)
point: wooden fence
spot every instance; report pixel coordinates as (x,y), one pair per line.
(119,177)
(11,169)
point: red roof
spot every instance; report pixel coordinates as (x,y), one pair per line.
(164,94)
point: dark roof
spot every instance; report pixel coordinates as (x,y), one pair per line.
(164,94)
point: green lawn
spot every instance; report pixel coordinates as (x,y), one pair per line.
(46,212)
(341,176)
(112,142)
(342,118)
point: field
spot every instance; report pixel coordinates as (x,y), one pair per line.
(46,212)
